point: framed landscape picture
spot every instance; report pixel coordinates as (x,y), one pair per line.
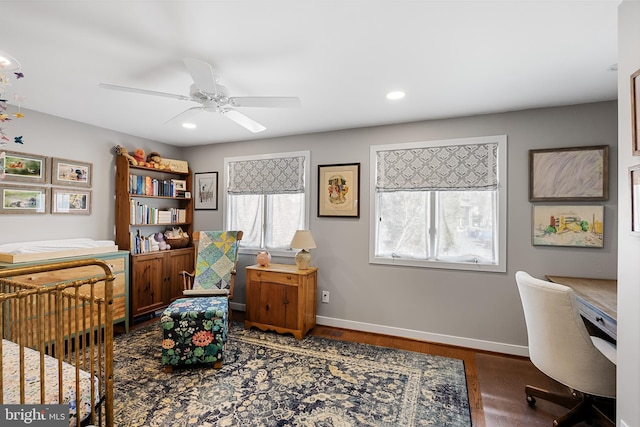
(70,201)
(23,199)
(22,167)
(339,190)
(575,225)
(71,173)
(569,174)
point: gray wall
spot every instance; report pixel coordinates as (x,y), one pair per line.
(480,310)
(51,136)
(628,244)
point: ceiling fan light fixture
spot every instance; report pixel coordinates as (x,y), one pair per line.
(396,94)
(8,62)
(189,125)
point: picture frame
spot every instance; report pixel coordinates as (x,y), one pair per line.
(206,191)
(23,199)
(71,173)
(634,180)
(579,226)
(569,174)
(635,112)
(22,167)
(70,201)
(339,190)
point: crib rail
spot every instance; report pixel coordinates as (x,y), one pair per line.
(67,321)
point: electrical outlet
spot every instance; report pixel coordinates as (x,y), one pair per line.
(325,297)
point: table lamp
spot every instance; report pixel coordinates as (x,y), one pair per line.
(303,240)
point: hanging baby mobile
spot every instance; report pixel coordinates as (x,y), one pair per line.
(9,69)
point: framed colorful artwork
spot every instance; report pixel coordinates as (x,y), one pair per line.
(206,191)
(70,201)
(569,174)
(339,190)
(575,225)
(71,173)
(23,199)
(22,167)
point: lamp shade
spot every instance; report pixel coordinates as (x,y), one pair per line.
(303,240)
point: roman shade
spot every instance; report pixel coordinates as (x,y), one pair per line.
(466,167)
(267,176)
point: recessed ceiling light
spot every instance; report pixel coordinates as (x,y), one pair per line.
(397,94)
(189,126)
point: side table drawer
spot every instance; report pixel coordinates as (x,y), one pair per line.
(273,277)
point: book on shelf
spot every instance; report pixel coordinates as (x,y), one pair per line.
(164,217)
(148,215)
(148,186)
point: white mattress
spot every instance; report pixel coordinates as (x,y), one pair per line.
(53,245)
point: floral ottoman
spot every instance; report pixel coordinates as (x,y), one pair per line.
(194,331)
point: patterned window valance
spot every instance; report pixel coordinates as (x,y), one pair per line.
(267,176)
(470,167)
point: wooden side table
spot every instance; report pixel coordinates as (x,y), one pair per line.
(281,298)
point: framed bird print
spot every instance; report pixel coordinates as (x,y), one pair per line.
(22,167)
(71,173)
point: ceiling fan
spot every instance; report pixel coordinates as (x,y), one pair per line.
(213,97)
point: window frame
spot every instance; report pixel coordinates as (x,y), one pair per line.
(501,240)
(307,196)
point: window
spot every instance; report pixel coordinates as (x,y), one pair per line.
(267,198)
(440,204)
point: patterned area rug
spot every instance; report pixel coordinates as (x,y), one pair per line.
(275,380)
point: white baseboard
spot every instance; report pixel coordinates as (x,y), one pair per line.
(516,350)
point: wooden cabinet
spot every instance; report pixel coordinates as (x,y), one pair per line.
(156,279)
(155,282)
(281,298)
(119,263)
(147,283)
(176,261)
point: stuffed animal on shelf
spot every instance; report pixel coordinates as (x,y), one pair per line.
(121,151)
(162,243)
(155,161)
(140,156)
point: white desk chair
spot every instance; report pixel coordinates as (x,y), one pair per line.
(561,347)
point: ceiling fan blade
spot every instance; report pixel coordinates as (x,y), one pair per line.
(189,112)
(144,91)
(266,101)
(202,74)
(243,120)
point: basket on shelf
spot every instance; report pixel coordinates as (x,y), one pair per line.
(177,242)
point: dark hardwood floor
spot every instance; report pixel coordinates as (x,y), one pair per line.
(495,381)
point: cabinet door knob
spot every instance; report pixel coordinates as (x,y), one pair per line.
(289,277)
(285,302)
(258,274)
(266,307)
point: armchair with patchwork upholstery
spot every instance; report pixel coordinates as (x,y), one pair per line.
(195,327)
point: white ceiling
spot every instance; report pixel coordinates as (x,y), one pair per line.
(452,58)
